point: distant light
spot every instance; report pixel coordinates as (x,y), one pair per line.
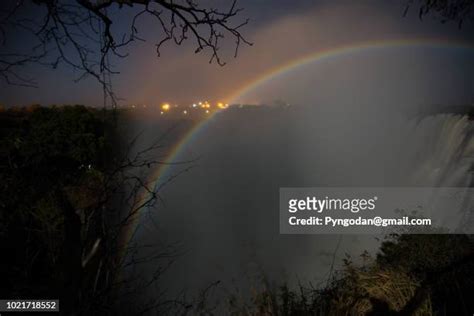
(207,111)
(221,105)
(194,105)
(185,112)
(162,112)
(165,107)
(133,106)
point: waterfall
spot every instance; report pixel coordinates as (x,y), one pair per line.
(446,153)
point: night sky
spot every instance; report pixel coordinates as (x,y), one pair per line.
(281,31)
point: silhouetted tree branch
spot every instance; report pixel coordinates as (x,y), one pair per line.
(81,33)
(449,10)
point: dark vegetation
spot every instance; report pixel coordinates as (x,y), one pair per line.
(52,164)
(411,275)
(69,190)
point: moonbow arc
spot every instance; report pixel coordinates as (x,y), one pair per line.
(339,51)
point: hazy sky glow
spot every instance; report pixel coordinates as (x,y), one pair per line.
(282,31)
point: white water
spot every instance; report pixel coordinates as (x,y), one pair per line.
(445,151)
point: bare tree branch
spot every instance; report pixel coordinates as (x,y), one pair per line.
(80,34)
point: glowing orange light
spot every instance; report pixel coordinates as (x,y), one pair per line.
(221,105)
(165,107)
